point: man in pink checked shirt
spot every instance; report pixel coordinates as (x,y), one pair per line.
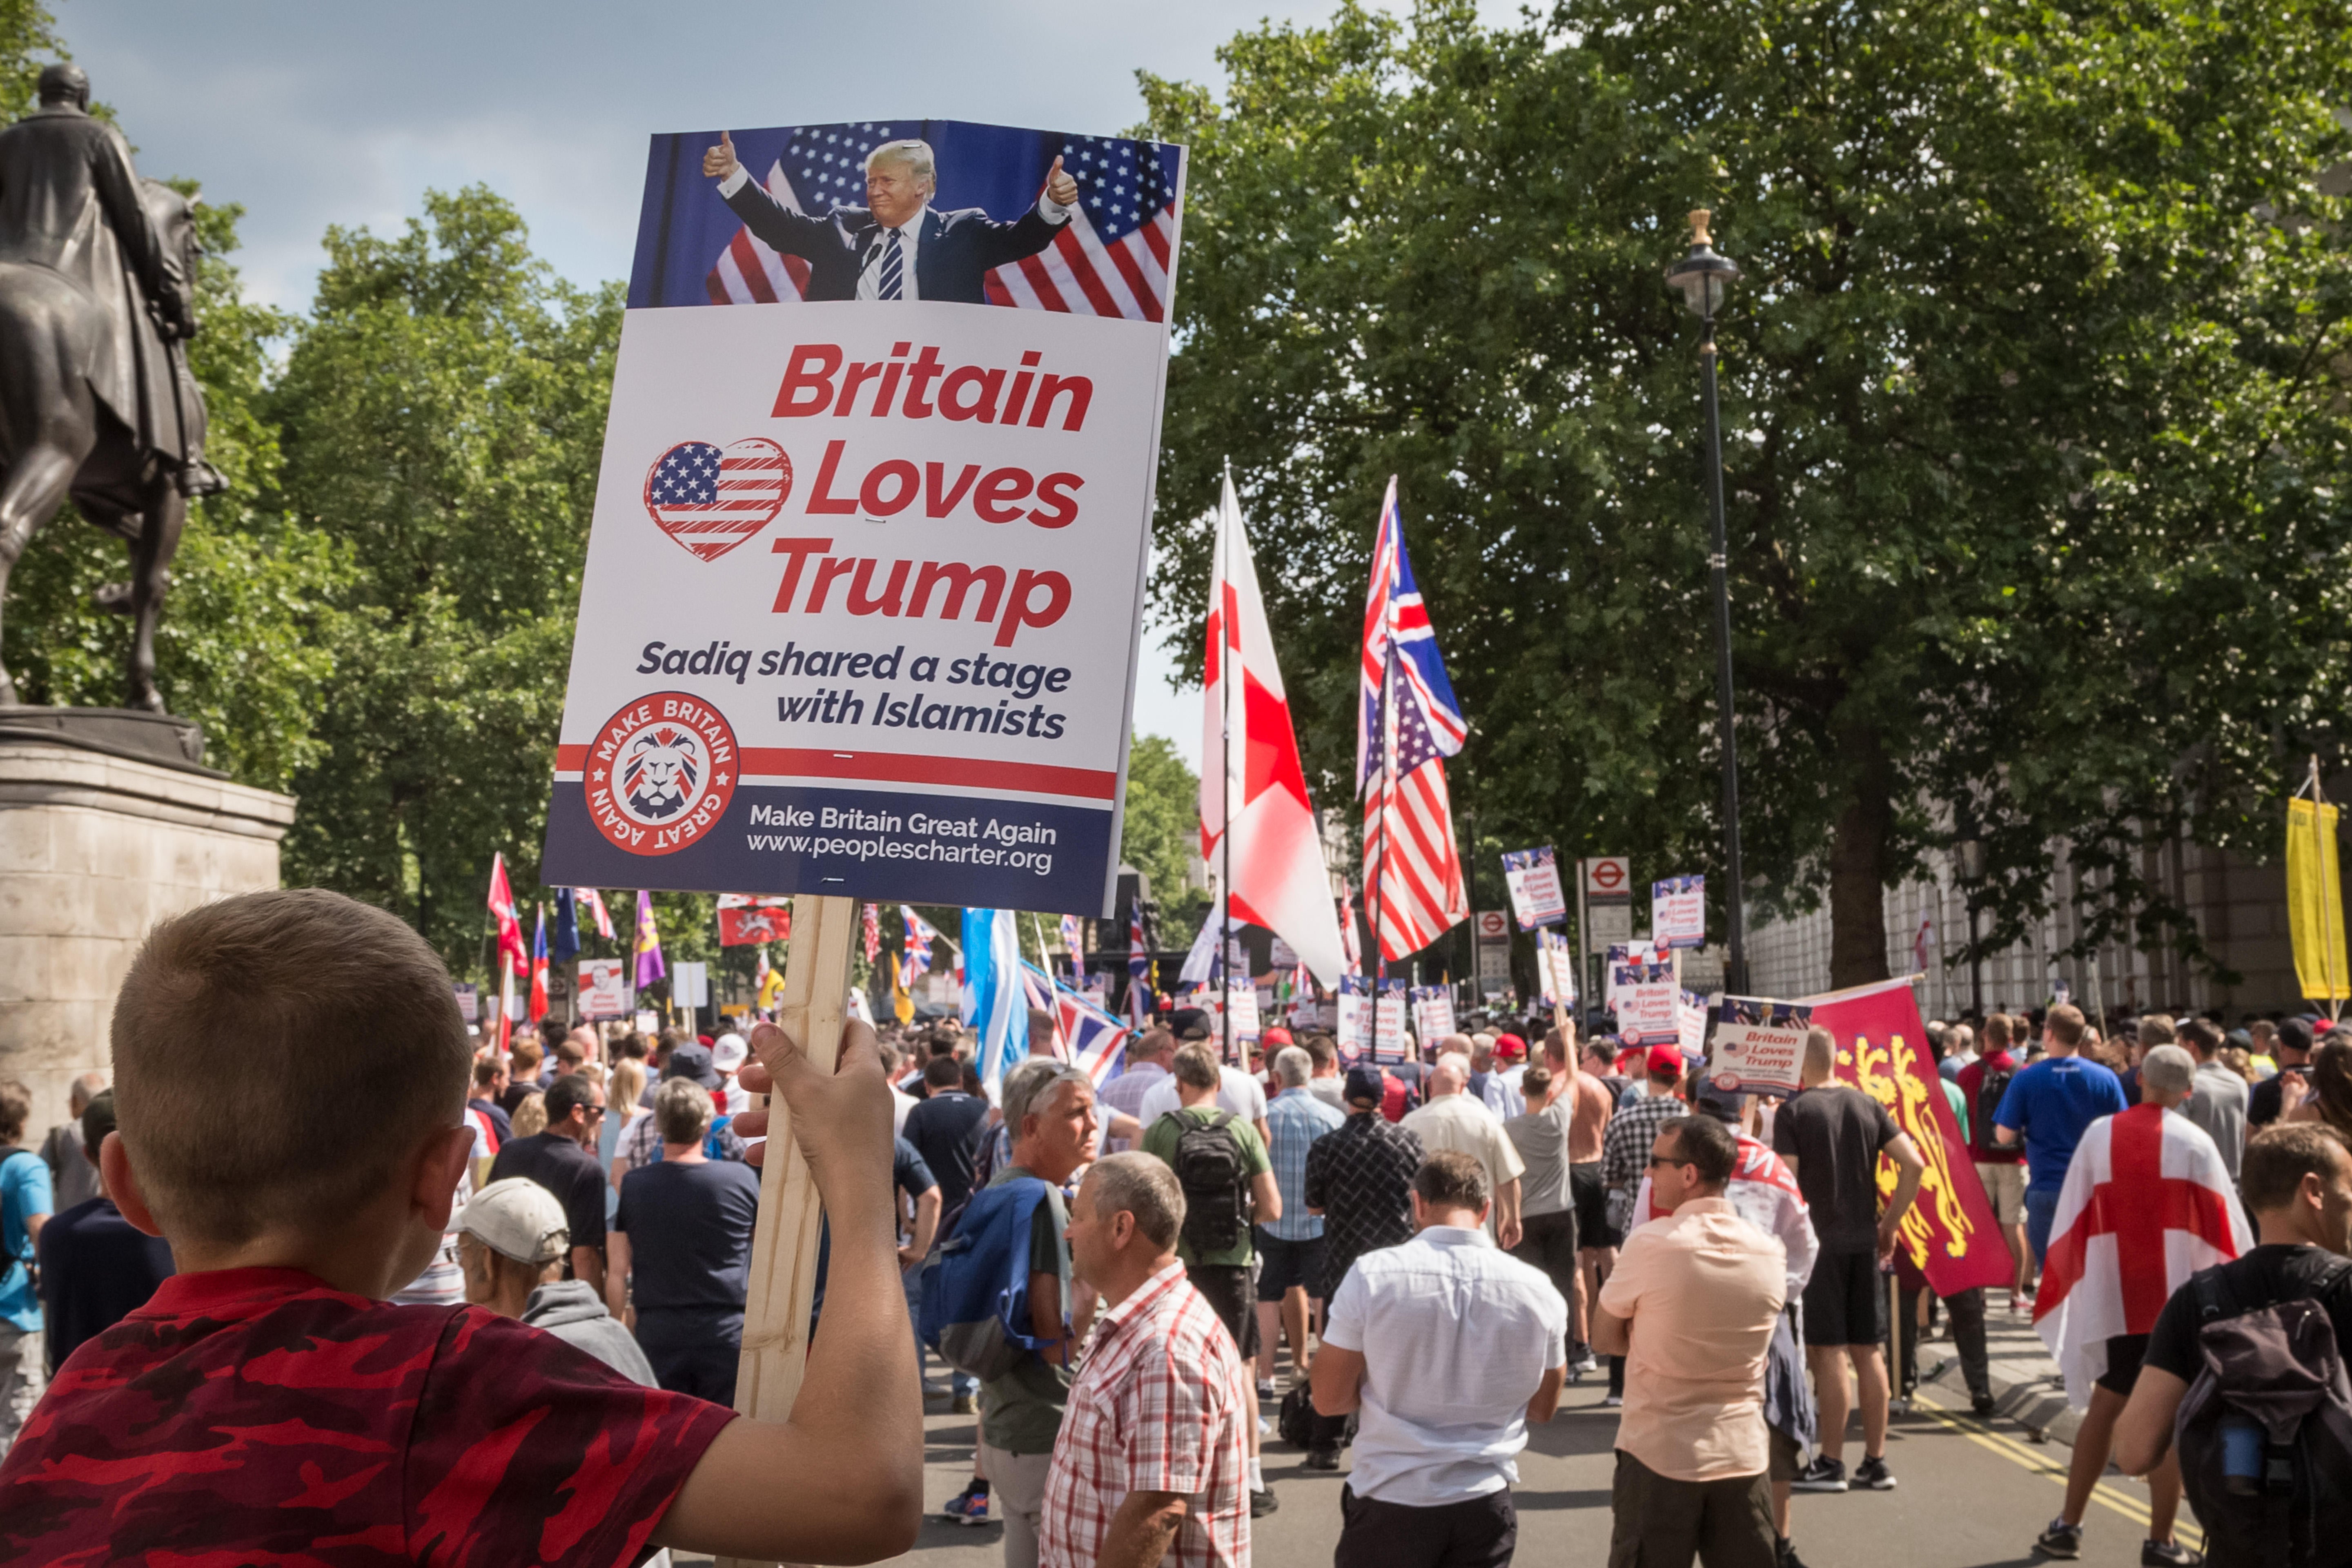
(1152,1462)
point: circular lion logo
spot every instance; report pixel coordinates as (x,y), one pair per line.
(660,773)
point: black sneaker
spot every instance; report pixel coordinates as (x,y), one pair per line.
(2167,1554)
(1322,1458)
(1872,1473)
(1823,1475)
(1983,1405)
(2061,1540)
(1264,1503)
(1787,1557)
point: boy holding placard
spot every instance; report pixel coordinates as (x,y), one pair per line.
(415,1432)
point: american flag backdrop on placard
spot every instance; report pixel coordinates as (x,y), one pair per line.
(1408,723)
(1112,258)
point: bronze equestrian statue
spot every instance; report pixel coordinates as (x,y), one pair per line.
(97,273)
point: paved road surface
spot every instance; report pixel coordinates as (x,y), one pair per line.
(1971,1495)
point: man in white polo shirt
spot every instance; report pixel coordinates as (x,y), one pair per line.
(1448,1348)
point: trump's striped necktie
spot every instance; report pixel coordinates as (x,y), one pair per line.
(894,270)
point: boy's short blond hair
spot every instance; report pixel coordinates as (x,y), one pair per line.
(278,1057)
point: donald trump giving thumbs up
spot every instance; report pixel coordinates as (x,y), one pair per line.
(898,245)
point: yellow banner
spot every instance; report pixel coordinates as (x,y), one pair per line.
(2315,901)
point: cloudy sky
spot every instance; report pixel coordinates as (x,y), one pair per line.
(315,114)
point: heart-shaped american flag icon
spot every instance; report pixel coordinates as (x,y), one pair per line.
(711,499)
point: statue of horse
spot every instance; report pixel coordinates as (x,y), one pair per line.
(60,441)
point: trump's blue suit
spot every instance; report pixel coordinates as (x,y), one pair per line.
(953,256)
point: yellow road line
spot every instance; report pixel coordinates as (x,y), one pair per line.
(2107,1496)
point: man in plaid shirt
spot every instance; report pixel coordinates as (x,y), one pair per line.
(1152,1461)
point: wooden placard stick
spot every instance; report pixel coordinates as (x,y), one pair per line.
(811,1009)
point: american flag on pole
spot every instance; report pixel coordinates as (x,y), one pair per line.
(1112,258)
(1407,724)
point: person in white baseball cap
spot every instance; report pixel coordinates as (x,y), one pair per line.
(727,1055)
(511,1243)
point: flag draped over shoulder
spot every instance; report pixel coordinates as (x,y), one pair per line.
(993,1000)
(2147,1202)
(1249,761)
(1408,723)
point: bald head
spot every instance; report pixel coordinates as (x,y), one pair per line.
(1450,1076)
(85,1089)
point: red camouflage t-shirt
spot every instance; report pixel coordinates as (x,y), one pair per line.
(259,1415)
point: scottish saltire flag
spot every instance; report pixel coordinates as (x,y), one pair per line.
(650,967)
(994,1002)
(1110,259)
(1407,722)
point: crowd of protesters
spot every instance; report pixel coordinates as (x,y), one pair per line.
(1402,1263)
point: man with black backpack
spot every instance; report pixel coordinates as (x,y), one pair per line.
(2267,1332)
(1228,1180)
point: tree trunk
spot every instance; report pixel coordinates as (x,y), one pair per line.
(1858,865)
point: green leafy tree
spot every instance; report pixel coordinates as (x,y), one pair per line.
(1162,832)
(442,411)
(2033,450)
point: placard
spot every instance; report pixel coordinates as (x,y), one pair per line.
(470,1001)
(1352,1016)
(1432,1013)
(867,552)
(1690,1018)
(1678,912)
(1242,1000)
(648,1022)
(690,983)
(1389,1021)
(1283,955)
(603,988)
(1557,971)
(1759,1047)
(1533,877)
(1647,997)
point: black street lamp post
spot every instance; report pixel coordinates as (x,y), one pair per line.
(1705,278)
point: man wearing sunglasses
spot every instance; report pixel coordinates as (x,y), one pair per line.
(1691,1305)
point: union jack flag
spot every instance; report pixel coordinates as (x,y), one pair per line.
(1083,1035)
(1114,257)
(1139,971)
(1407,724)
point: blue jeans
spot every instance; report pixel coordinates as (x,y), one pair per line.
(960,1384)
(2040,1208)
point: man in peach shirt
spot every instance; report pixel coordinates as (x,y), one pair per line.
(1691,1306)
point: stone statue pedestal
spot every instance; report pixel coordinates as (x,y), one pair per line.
(109,822)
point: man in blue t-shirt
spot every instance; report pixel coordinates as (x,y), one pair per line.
(2047,1108)
(25,1207)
